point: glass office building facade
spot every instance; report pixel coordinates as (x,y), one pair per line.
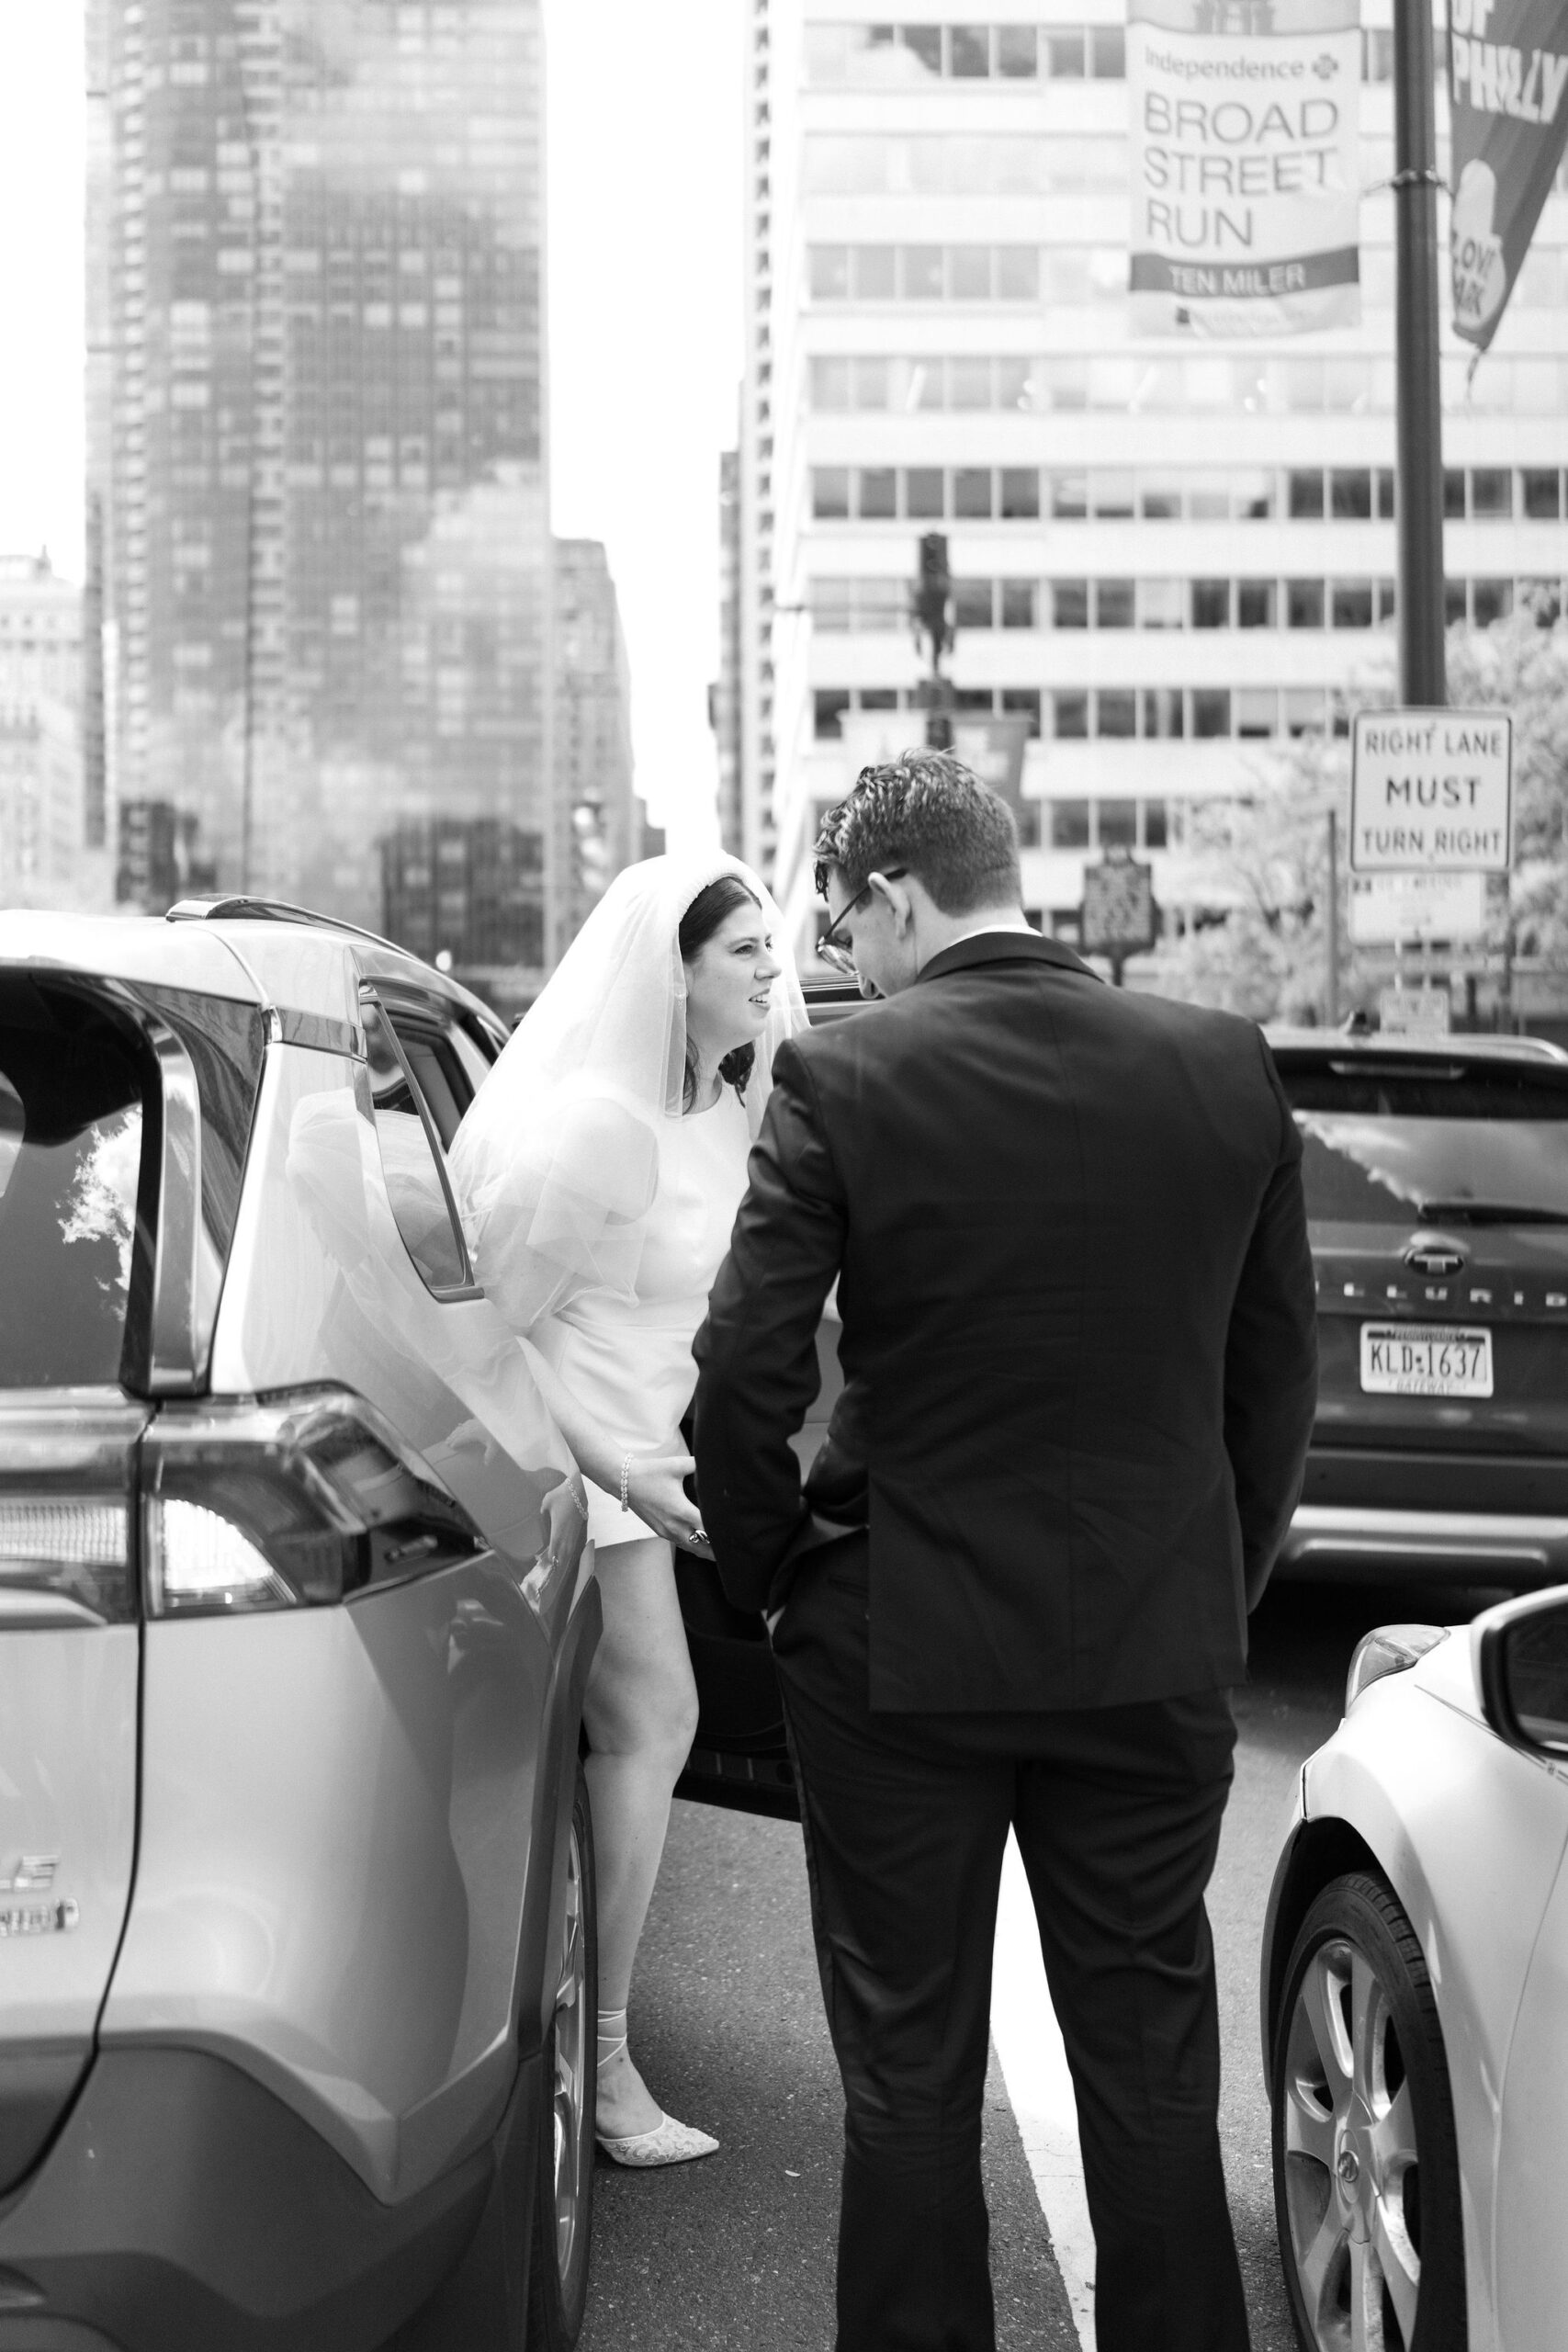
(316,423)
(1171,555)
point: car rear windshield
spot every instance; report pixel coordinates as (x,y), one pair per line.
(70,1133)
(1453,1141)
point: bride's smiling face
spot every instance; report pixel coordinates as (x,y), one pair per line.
(729,984)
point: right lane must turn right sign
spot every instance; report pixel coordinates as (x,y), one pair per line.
(1431,792)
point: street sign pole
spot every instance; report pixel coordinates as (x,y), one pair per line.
(1418,390)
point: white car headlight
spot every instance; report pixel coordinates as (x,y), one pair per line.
(1388,1649)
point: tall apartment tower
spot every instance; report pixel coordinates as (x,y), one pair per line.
(42,825)
(316,424)
(1170,553)
(599,824)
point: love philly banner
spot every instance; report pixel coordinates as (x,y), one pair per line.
(1246,165)
(1508,97)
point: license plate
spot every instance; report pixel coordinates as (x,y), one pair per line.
(1425,1360)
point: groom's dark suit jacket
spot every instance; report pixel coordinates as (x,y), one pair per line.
(1077,1331)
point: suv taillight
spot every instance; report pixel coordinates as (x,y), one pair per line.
(285,1503)
(66,1467)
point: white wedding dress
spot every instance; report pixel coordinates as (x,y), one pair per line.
(627,1360)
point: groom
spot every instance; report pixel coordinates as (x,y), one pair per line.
(1078,1341)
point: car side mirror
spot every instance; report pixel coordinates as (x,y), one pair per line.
(1522,1666)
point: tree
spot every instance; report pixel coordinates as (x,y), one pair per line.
(1262,867)
(1520,665)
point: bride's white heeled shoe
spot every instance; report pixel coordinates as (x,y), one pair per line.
(668,2143)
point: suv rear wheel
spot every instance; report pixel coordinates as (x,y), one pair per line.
(1366,2172)
(563,2204)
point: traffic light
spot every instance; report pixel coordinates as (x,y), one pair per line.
(933,592)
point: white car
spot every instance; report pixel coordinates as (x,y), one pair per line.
(1415,1997)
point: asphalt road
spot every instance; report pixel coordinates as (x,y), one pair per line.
(736,2254)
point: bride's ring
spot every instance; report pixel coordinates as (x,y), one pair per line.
(699,1535)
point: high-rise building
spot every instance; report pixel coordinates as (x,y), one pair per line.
(598,820)
(724,695)
(41,811)
(1170,554)
(316,424)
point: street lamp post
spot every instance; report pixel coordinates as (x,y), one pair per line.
(1418,390)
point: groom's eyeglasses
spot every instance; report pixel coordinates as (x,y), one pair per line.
(834,951)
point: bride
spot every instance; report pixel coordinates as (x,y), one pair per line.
(599,1170)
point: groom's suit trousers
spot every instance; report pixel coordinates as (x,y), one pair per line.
(1117,1815)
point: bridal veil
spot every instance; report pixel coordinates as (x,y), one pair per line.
(555,1164)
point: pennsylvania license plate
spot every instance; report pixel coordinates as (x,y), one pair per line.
(1425,1360)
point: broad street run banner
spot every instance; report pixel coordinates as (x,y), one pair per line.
(1246,166)
(1508,92)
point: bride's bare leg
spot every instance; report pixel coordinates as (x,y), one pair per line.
(641,1714)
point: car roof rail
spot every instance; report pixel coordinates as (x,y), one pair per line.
(226,907)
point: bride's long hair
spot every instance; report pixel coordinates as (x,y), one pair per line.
(708,911)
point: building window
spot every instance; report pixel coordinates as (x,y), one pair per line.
(1255,604)
(1116,714)
(1024,700)
(878,493)
(972,493)
(923,492)
(1069,720)
(1211,710)
(1351,604)
(828,706)
(830,493)
(1069,605)
(1017,604)
(1350,494)
(1163,711)
(1453,493)
(1114,601)
(1020,493)
(972,603)
(1153,825)
(1069,819)
(1116,822)
(1211,604)
(1306,496)
(1542,495)
(1492,600)
(1162,604)
(1257,711)
(872,273)
(1492,493)
(1304,604)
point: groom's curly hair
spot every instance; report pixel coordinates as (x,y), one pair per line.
(926,812)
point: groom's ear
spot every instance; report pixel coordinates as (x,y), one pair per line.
(897,899)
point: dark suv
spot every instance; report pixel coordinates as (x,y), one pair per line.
(1436,1185)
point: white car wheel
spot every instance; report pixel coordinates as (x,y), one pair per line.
(1366,2176)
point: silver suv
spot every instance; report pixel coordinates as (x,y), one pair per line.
(296,1951)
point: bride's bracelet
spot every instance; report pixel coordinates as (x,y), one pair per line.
(625,1479)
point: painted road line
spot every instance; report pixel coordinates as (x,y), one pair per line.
(1039,2090)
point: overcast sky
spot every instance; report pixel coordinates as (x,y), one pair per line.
(644,136)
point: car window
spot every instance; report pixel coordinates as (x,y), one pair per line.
(439,1077)
(415,1184)
(70,1133)
(476,1049)
(1384,1147)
